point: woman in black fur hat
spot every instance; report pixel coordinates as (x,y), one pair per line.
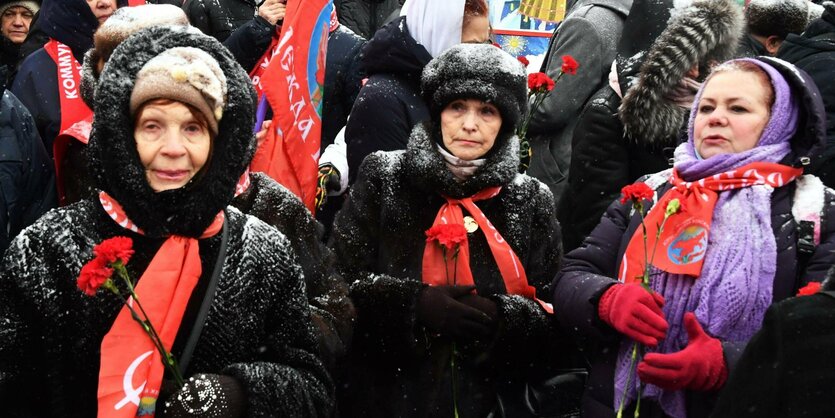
(430,340)
(171,141)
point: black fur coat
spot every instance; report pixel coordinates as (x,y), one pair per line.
(396,367)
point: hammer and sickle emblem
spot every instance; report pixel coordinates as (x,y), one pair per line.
(131,393)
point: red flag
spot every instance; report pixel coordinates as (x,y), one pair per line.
(293,84)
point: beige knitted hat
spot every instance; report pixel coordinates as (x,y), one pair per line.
(33,6)
(185,74)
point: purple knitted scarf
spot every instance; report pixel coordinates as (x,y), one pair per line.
(734,289)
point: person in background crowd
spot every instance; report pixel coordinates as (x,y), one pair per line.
(15,18)
(631,125)
(220,18)
(787,368)
(343,79)
(768,23)
(364,17)
(168,154)
(438,339)
(52,95)
(590,33)
(27,182)
(730,250)
(813,51)
(389,105)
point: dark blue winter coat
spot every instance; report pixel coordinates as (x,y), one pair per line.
(389,105)
(27,180)
(589,271)
(814,52)
(343,79)
(36,85)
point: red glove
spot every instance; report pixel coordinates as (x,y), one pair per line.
(700,366)
(634,312)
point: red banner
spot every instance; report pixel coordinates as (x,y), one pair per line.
(293,84)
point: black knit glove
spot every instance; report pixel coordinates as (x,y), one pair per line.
(207,395)
(438,310)
(328,181)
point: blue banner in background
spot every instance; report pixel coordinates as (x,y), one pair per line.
(517,34)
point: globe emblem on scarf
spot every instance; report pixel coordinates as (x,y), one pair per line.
(689,246)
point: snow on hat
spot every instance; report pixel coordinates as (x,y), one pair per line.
(128,20)
(33,6)
(185,74)
(477,71)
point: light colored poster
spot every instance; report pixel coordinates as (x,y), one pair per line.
(519,35)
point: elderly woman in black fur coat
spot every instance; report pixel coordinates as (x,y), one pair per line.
(170,144)
(429,339)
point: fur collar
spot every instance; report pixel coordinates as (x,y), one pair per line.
(427,171)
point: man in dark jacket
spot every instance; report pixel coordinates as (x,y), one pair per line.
(590,34)
(27,182)
(814,52)
(70,23)
(768,23)
(219,18)
(364,17)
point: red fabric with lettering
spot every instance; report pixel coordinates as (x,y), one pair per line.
(293,83)
(76,116)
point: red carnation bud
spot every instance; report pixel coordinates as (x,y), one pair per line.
(810,289)
(636,193)
(93,275)
(114,249)
(569,65)
(523,60)
(448,235)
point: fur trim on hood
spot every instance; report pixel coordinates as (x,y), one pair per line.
(705,31)
(114,160)
(428,171)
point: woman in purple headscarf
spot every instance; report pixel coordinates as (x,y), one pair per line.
(748,233)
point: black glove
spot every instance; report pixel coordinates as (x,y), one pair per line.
(482,304)
(438,310)
(328,181)
(207,395)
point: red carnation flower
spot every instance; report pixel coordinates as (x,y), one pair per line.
(569,65)
(810,289)
(523,60)
(93,275)
(636,193)
(539,82)
(114,249)
(448,235)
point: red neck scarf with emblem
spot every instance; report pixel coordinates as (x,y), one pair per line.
(682,244)
(131,370)
(435,268)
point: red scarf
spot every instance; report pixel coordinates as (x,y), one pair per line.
(132,3)
(684,238)
(131,368)
(513,273)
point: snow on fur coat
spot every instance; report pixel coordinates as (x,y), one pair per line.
(396,367)
(257,329)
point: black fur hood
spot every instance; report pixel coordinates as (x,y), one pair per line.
(114,161)
(708,30)
(428,172)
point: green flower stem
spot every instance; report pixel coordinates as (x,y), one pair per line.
(628,380)
(454,382)
(169,361)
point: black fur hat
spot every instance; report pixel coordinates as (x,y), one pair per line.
(477,71)
(114,160)
(708,30)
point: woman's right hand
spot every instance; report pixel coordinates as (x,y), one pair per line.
(438,310)
(634,312)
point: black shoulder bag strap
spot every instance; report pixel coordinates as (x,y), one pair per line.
(208,298)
